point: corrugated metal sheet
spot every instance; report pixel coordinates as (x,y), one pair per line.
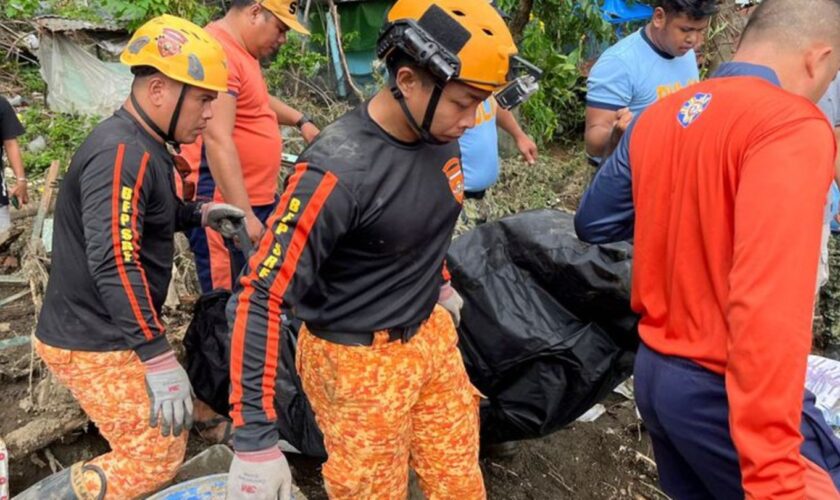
(58,24)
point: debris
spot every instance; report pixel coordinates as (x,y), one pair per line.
(53,462)
(16,100)
(46,201)
(5,327)
(823,380)
(9,300)
(7,238)
(43,431)
(12,279)
(625,389)
(593,413)
(77,81)
(47,234)
(9,263)
(37,144)
(14,342)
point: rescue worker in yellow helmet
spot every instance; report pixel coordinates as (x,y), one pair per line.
(356,250)
(100,331)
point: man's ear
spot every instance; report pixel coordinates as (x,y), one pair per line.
(156,90)
(659,18)
(818,58)
(408,81)
(254,12)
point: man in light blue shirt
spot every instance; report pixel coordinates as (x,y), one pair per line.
(649,64)
(480,147)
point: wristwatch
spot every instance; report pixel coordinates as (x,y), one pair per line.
(303,121)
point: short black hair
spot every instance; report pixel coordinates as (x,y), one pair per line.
(143,71)
(241,4)
(694,9)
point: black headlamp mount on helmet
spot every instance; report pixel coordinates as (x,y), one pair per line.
(520,87)
(409,38)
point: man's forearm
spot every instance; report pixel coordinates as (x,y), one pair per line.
(223,160)
(286,115)
(508,123)
(15,160)
(597,139)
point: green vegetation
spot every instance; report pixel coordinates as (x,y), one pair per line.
(62,132)
(555,39)
(27,9)
(136,12)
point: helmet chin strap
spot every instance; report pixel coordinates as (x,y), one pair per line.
(169,137)
(424,130)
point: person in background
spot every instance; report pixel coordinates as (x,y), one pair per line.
(10,130)
(647,65)
(237,159)
(829,103)
(480,147)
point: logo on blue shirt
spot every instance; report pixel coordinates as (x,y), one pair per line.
(693,108)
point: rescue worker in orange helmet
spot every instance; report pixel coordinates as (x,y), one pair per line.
(356,249)
(100,331)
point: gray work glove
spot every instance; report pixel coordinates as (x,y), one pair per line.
(170,394)
(260,475)
(222,218)
(451,301)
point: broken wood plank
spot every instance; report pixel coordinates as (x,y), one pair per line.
(46,201)
(19,295)
(13,279)
(43,431)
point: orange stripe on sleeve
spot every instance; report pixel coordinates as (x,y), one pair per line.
(138,185)
(278,288)
(242,308)
(115,234)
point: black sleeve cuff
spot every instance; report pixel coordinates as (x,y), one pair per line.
(255,437)
(152,348)
(189,216)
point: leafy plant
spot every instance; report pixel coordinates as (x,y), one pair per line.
(63,134)
(136,12)
(72,9)
(554,40)
(295,58)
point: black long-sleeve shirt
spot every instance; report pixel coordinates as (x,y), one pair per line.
(357,244)
(116,215)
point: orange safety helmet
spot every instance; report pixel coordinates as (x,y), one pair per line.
(180,50)
(464,40)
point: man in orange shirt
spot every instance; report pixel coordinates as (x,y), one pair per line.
(722,188)
(238,158)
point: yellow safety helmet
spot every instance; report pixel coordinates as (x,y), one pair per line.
(180,50)
(467,36)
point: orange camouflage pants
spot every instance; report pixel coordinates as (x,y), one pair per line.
(391,404)
(111,389)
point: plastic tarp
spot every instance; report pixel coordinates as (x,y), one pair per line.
(78,82)
(546,330)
